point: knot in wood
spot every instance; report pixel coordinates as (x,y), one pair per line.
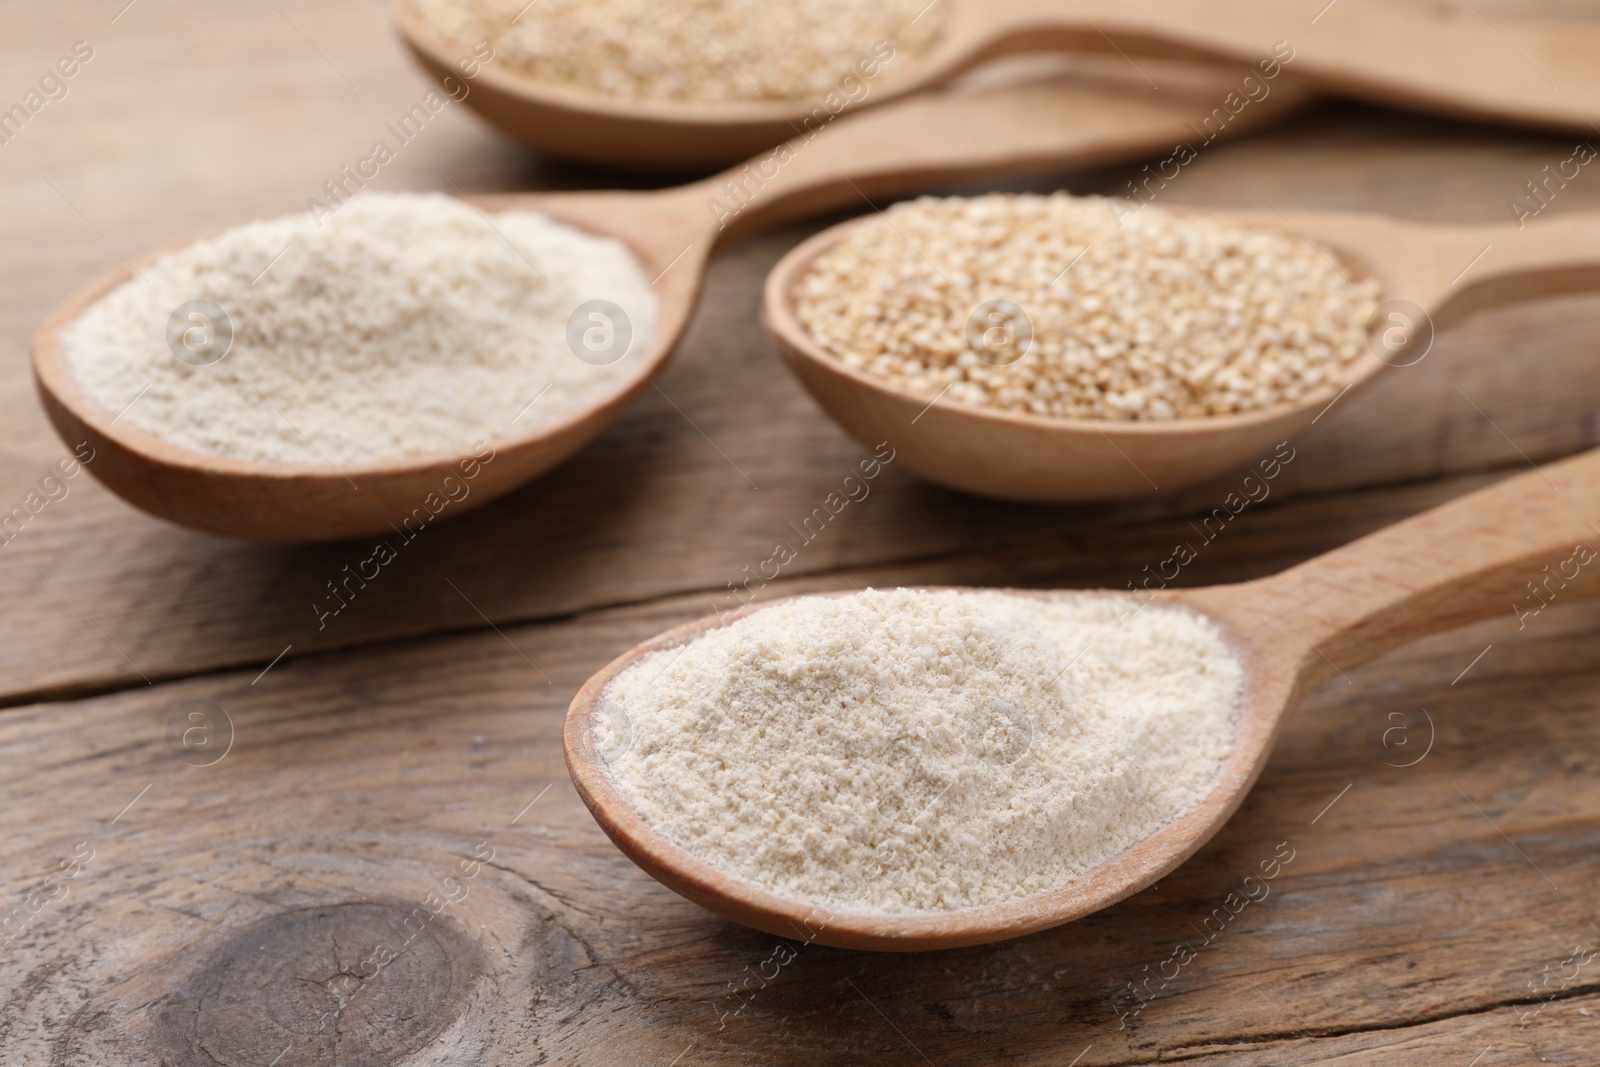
(342,985)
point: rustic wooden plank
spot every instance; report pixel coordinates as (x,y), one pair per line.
(176,602)
(627,519)
(222,903)
(229,905)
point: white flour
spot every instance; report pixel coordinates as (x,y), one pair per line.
(908,751)
(405,324)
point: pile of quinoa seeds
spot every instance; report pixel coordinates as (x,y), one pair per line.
(920,751)
(1074,307)
(705,50)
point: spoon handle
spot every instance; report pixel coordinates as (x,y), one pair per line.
(1462,62)
(1536,258)
(1515,547)
(859,157)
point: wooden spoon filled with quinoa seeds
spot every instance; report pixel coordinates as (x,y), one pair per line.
(918,769)
(693,84)
(1066,349)
(347,370)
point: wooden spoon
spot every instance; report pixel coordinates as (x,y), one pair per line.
(1472,558)
(1457,62)
(1430,275)
(934,139)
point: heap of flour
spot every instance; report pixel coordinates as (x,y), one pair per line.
(912,751)
(403,325)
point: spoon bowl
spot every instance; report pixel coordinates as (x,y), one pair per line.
(1362,48)
(1462,561)
(1429,276)
(587,127)
(287,502)
(747,903)
(938,138)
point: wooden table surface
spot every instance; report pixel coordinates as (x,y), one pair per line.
(217,813)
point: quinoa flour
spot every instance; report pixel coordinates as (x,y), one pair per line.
(403,325)
(911,751)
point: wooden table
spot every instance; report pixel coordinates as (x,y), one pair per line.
(216,812)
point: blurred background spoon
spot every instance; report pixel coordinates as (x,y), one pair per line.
(1430,57)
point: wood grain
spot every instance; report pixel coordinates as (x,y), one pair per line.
(407,732)
(1397,55)
(367,779)
(172,600)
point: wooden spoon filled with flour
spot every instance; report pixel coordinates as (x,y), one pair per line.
(328,375)
(922,769)
(911,751)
